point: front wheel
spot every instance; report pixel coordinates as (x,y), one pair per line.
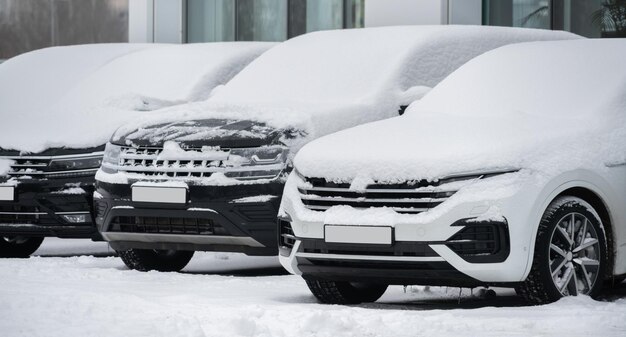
(152,259)
(18,246)
(570,253)
(332,292)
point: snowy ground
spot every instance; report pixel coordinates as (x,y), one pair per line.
(60,294)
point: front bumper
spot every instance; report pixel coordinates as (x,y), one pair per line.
(50,208)
(215,218)
(426,249)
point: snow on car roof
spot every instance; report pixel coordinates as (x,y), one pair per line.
(77,96)
(545,106)
(326,81)
(353,64)
(35,80)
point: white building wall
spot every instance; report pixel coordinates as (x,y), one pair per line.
(169,21)
(140,21)
(465,12)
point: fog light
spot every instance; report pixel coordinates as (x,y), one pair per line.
(76,218)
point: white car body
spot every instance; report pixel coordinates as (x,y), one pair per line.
(557,131)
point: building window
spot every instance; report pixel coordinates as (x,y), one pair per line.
(261,20)
(517,13)
(268,20)
(210,20)
(590,18)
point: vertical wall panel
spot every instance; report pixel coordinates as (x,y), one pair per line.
(27,25)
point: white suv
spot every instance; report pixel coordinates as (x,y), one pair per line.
(510,172)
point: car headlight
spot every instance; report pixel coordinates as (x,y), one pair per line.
(76,163)
(266,155)
(111,159)
(265,162)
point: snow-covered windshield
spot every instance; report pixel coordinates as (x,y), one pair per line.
(558,80)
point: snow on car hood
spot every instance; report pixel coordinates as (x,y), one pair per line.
(323,82)
(498,111)
(75,97)
(215,124)
(206,132)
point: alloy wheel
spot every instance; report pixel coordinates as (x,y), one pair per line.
(575,255)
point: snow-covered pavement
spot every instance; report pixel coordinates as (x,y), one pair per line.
(234,295)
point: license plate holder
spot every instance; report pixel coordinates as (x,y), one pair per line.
(374,235)
(7,193)
(159,194)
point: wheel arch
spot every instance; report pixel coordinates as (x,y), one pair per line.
(587,185)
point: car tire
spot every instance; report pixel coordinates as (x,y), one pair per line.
(333,292)
(151,259)
(615,282)
(570,255)
(19,246)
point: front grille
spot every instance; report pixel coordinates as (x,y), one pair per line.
(19,214)
(166,225)
(148,162)
(34,167)
(481,242)
(44,167)
(189,164)
(399,248)
(413,197)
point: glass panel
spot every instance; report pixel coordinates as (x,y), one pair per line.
(210,20)
(531,13)
(354,13)
(578,17)
(261,20)
(517,13)
(324,14)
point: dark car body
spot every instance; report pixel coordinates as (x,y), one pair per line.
(52,193)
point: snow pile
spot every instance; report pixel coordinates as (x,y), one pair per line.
(87,296)
(327,81)
(77,96)
(501,110)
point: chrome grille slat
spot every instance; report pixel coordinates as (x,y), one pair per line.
(371,200)
(413,198)
(372,190)
(397,209)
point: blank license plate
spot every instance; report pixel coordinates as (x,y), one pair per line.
(7,193)
(173,195)
(357,234)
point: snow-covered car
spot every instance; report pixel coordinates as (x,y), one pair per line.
(59,107)
(511,172)
(210,176)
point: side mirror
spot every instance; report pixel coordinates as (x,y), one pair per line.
(411,95)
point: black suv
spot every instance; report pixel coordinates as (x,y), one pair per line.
(156,225)
(46,194)
(47,190)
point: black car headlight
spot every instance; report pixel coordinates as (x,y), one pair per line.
(111,159)
(76,163)
(265,162)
